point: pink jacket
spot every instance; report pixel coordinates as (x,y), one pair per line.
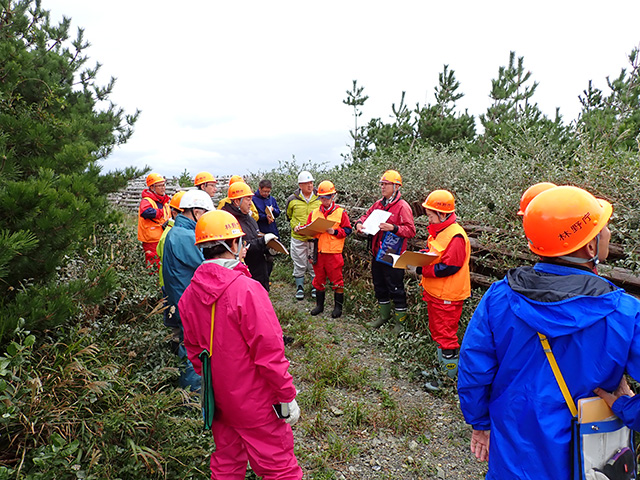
(401,215)
(249,369)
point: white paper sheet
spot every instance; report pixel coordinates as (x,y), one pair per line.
(371,225)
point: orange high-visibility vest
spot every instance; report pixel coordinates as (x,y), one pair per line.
(454,287)
(328,243)
(150,230)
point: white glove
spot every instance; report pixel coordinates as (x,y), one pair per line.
(268,237)
(294,411)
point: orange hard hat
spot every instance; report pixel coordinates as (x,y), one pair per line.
(217,225)
(234,179)
(391,176)
(531,192)
(440,201)
(175,200)
(326,188)
(154,178)
(203,177)
(564,219)
(239,190)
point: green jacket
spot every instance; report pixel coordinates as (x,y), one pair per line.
(298,210)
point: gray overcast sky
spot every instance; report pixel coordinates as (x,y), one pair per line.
(233,87)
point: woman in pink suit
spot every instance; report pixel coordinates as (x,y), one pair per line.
(248,367)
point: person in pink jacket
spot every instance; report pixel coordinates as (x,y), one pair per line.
(249,370)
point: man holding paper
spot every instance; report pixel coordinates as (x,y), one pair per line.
(509,392)
(389,236)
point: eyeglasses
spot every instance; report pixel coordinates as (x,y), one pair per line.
(384,184)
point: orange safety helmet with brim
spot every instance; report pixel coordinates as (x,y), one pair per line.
(217,225)
(154,178)
(175,200)
(239,190)
(391,176)
(531,192)
(564,219)
(441,201)
(234,179)
(203,177)
(326,188)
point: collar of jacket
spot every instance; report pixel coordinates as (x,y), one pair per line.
(184,222)
(393,199)
(146,193)
(436,228)
(328,211)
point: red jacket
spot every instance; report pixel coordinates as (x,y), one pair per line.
(249,369)
(401,215)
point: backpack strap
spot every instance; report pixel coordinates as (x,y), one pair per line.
(558,374)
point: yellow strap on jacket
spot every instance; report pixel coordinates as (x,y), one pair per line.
(455,287)
(328,243)
(150,230)
(558,374)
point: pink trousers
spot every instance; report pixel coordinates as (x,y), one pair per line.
(268,448)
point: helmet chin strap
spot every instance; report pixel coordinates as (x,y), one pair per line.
(236,255)
(582,261)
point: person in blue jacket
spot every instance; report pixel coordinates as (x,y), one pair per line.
(180,260)
(262,199)
(508,392)
(267,220)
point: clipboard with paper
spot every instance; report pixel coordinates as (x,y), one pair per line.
(277,246)
(268,210)
(416,259)
(319,225)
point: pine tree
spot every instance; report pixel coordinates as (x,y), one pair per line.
(613,120)
(438,124)
(356,98)
(56,123)
(515,121)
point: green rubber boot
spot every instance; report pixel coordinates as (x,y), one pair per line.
(400,318)
(385,315)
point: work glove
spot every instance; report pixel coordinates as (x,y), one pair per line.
(268,237)
(294,411)
(411,271)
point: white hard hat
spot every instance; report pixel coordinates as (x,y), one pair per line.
(305,177)
(196,199)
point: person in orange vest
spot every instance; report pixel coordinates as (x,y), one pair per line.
(152,213)
(446,282)
(329,261)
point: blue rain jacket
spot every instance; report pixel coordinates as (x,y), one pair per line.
(505,382)
(180,260)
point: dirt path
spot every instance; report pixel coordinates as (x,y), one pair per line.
(364,414)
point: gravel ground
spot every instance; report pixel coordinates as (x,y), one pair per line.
(386,427)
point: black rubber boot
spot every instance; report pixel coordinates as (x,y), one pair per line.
(339,301)
(319,303)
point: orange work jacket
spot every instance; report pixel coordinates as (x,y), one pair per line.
(150,230)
